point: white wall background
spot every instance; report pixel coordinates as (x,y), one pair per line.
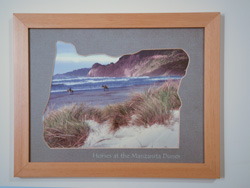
(235,90)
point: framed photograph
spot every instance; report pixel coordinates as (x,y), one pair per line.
(117,95)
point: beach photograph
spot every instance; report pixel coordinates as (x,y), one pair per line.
(101,101)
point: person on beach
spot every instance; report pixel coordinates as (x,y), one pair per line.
(105,87)
(70,91)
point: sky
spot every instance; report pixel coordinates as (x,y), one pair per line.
(67,58)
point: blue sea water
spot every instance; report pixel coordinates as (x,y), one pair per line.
(95,83)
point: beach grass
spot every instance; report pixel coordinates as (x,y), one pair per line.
(117,115)
(155,105)
(63,128)
(68,127)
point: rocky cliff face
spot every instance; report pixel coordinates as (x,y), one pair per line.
(170,62)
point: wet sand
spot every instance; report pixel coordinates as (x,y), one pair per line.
(99,98)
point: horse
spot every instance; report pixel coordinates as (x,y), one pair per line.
(105,87)
(70,91)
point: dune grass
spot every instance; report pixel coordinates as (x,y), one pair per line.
(155,105)
(67,126)
(117,115)
(64,128)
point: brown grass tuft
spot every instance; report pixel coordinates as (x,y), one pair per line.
(64,129)
(156,105)
(117,115)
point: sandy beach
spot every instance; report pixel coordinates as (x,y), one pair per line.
(99,98)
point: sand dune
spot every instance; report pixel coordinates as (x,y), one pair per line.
(155,136)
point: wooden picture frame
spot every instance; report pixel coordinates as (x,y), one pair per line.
(210,22)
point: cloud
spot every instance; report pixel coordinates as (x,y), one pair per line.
(75,58)
(66,53)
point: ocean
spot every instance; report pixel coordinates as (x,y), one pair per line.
(79,84)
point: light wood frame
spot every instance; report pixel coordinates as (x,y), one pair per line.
(211,166)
